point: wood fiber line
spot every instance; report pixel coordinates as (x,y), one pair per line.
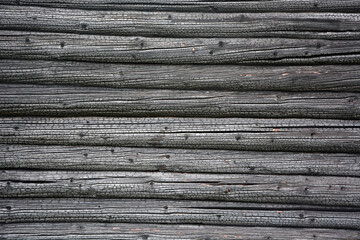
(87,231)
(64,101)
(172,24)
(186,77)
(291,189)
(299,135)
(141,212)
(95,48)
(176,160)
(200,5)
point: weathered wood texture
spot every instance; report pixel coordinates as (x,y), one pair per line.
(140,211)
(176,160)
(121,151)
(295,189)
(34,100)
(171,24)
(95,48)
(187,77)
(201,5)
(127,231)
(85,230)
(306,135)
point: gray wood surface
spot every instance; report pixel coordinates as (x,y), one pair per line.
(172,24)
(34,100)
(176,160)
(141,211)
(95,48)
(86,230)
(304,135)
(183,119)
(200,5)
(188,77)
(292,189)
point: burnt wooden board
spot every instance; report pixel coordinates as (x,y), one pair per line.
(201,5)
(102,158)
(33,100)
(254,134)
(86,230)
(129,49)
(339,78)
(172,24)
(170,212)
(292,189)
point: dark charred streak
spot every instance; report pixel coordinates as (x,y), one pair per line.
(8,182)
(156,141)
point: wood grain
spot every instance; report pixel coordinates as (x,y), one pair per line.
(64,101)
(172,24)
(169,212)
(35,157)
(95,48)
(186,77)
(201,5)
(303,135)
(292,189)
(86,230)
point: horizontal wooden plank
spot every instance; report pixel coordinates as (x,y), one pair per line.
(151,211)
(305,135)
(190,77)
(85,230)
(200,5)
(292,189)
(176,160)
(65,101)
(95,48)
(172,24)
(158,205)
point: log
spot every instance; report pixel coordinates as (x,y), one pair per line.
(87,231)
(168,212)
(64,101)
(186,77)
(200,5)
(172,24)
(294,135)
(77,158)
(157,231)
(291,189)
(95,48)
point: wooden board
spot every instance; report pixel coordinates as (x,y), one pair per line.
(33,100)
(35,157)
(200,5)
(296,189)
(85,230)
(304,135)
(104,48)
(170,212)
(172,24)
(187,77)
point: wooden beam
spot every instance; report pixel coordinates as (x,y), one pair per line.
(168,212)
(171,24)
(186,77)
(95,48)
(291,189)
(304,135)
(60,101)
(200,5)
(176,160)
(87,231)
